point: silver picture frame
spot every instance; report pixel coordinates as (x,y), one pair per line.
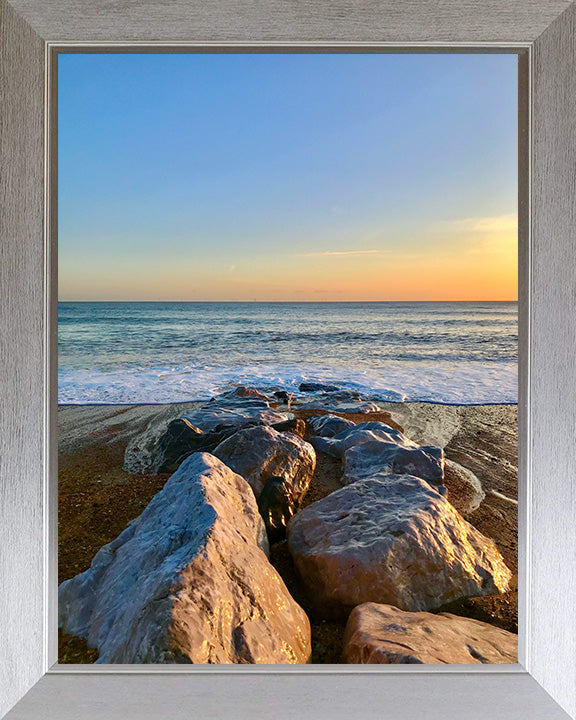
(543,684)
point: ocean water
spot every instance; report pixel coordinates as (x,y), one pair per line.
(158,352)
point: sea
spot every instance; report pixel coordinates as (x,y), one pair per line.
(161,352)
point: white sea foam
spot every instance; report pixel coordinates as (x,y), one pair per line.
(455,382)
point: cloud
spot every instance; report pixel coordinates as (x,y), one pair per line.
(495,245)
(337,253)
(495,224)
(487,236)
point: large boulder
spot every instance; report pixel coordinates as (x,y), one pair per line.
(188,581)
(236,408)
(372,431)
(376,456)
(328,425)
(391,539)
(259,453)
(370,448)
(383,634)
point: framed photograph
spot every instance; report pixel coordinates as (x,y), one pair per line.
(287,320)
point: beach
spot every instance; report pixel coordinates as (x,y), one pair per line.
(98,498)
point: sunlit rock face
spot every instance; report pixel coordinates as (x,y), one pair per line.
(391,539)
(259,453)
(382,634)
(188,581)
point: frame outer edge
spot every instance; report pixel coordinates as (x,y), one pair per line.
(385,696)
(21,355)
(292,21)
(22,351)
(552,630)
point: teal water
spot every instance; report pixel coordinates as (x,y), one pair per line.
(463,352)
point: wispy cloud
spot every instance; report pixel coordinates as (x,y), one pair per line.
(489,236)
(327,253)
(498,223)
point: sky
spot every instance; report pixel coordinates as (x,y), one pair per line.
(287,177)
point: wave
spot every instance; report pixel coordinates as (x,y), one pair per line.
(466,383)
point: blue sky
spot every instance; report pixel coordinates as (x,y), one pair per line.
(312,177)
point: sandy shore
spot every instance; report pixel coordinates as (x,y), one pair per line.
(97,498)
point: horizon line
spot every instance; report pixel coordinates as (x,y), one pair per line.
(290,302)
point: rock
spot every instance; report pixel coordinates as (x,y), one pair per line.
(180,440)
(261,452)
(391,539)
(214,416)
(343,401)
(370,458)
(284,396)
(277,505)
(188,582)
(383,634)
(464,488)
(315,387)
(374,447)
(342,395)
(296,426)
(244,392)
(357,435)
(142,442)
(328,425)
(239,398)
(234,402)
(154,449)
